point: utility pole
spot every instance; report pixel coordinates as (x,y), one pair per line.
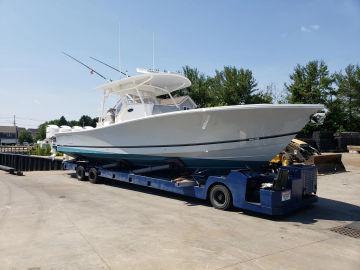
(119,46)
(16,130)
(153,52)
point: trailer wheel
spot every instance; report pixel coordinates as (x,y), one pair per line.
(80,173)
(93,176)
(220,197)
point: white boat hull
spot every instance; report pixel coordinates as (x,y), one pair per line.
(227,136)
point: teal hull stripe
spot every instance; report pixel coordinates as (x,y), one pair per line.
(147,160)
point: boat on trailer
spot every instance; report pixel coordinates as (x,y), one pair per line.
(142,131)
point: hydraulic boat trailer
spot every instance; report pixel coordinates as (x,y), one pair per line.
(293,187)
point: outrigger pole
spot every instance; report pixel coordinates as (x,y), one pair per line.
(114,68)
(88,67)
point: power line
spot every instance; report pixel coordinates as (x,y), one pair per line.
(31,119)
(22,118)
(18,123)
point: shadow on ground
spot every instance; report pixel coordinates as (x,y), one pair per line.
(326,209)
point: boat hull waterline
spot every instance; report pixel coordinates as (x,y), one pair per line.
(223,137)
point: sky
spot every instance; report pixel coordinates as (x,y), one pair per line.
(39,83)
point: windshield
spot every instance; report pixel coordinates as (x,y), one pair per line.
(132,99)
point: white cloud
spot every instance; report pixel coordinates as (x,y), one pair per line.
(315,27)
(36,101)
(305,29)
(311,28)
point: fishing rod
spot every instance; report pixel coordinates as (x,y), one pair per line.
(90,68)
(123,73)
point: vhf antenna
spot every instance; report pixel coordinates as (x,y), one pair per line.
(114,68)
(90,68)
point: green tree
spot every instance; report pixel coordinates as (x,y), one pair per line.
(72,123)
(25,136)
(62,121)
(41,132)
(349,94)
(334,120)
(200,90)
(262,97)
(94,121)
(86,120)
(230,86)
(44,150)
(237,86)
(311,84)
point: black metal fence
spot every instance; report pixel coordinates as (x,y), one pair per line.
(343,139)
(29,163)
(333,142)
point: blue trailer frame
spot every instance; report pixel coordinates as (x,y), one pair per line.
(299,190)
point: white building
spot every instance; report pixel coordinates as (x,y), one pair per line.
(184,102)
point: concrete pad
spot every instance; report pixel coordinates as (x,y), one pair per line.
(49,220)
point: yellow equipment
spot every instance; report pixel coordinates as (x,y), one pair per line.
(299,151)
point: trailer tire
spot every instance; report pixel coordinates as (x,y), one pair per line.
(80,173)
(93,176)
(220,197)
